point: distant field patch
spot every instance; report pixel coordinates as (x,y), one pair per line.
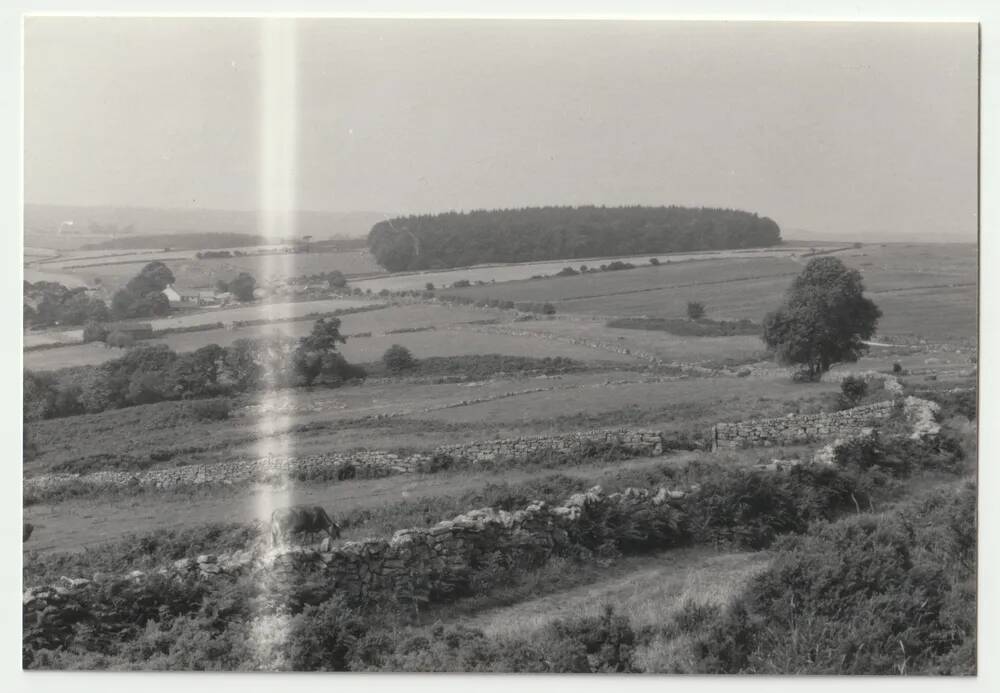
(526,270)
(115,269)
(626,287)
(923,289)
(376,322)
(696,399)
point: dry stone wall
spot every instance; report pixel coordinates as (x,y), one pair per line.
(800,429)
(920,415)
(423,564)
(364,462)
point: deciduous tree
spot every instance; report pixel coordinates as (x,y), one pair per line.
(824,320)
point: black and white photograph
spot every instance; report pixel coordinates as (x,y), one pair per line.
(497,345)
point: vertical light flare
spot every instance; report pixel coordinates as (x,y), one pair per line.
(278,116)
(277,202)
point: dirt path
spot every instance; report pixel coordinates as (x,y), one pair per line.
(76,524)
(646,589)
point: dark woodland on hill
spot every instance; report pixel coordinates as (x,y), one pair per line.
(458,239)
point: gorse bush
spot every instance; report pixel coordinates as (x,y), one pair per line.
(888,594)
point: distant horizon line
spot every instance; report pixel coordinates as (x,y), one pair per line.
(928,237)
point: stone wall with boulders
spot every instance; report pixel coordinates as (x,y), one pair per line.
(919,415)
(422,564)
(359,463)
(800,429)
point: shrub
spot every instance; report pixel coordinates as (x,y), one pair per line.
(398,358)
(323,637)
(889,594)
(120,340)
(567,272)
(429,286)
(596,644)
(961,403)
(695,310)
(897,368)
(145,388)
(95,332)
(853,389)
(460,284)
(654,261)
(211,409)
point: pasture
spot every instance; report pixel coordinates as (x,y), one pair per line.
(630,378)
(927,290)
(497,274)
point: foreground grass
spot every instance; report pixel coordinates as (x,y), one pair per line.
(648,590)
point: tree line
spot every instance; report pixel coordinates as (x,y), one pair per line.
(50,303)
(147,374)
(458,239)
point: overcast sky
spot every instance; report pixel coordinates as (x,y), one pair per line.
(839,129)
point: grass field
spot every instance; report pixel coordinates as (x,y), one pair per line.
(445,340)
(935,282)
(525,270)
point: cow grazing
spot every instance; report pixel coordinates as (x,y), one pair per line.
(301,519)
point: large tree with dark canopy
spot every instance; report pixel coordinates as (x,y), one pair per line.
(824,319)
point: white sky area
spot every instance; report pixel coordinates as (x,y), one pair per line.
(832,130)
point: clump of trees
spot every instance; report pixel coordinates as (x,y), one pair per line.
(51,303)
(335,279)
(458,239)
(142,296)
(147,374)
(824,320)
(316,355)
(242,286)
